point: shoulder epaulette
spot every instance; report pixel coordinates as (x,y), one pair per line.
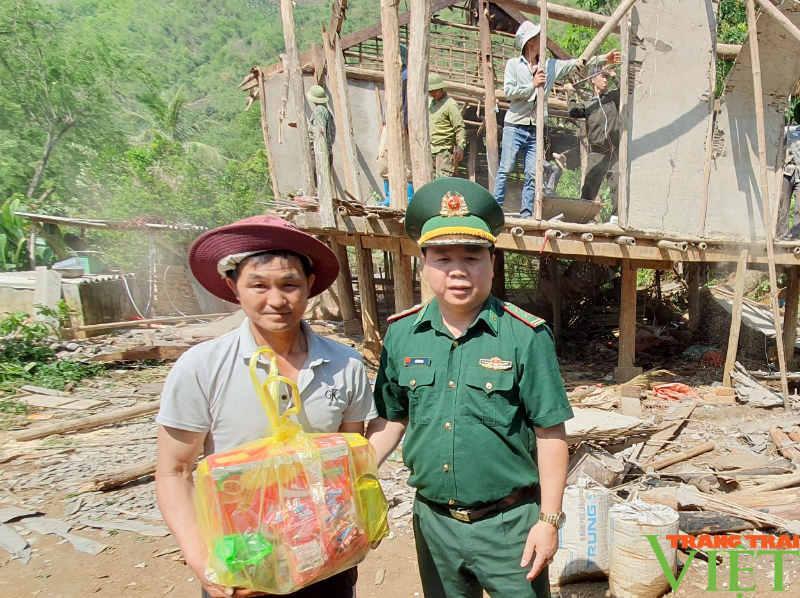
(407,312)
(522,315)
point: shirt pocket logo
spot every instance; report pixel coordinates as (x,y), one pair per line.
(417,382)
(486,400)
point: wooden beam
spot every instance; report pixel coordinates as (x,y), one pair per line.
(541,98)
(323,168)
(262,97)
(558,12)
(736,317)
(137,323)
(119,477)
(472,153)
(624,116)
(608,28)
(776,14)
(295,75)
(393,92)
(419,134)
(790,312)
(338,11)
(344,290)
(366,291)
(627,324)
(701,227)
(728,51)
(489,99)
(403,278)
(318,62)
(752,34)
(337,84)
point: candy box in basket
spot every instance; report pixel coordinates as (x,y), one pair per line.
(281,513)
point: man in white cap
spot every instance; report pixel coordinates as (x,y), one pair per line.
(525,78)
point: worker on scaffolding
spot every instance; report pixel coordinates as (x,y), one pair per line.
(323,117)
(448,133)
(602,131)
(791,182)
(523,79)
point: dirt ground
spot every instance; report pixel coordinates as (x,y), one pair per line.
(45,476)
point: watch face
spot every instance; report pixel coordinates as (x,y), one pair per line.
(562,519)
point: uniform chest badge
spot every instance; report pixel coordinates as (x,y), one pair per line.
(453,204)
(495,363)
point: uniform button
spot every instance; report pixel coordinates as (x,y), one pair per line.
(448,425)
(446,467)
(412,383)
(489,386)
(451,384)
(455,344)
(451,502)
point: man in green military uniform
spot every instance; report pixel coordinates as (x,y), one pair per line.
(448,133)
(473,383)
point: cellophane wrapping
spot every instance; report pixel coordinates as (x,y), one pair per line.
(284,512)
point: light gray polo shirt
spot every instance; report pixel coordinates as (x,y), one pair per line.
(209,390)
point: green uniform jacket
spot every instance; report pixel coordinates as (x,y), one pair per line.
(602,119)
(470,438)
(447,125)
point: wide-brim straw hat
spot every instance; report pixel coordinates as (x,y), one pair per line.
(257,234)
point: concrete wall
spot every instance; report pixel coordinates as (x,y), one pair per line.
(735,206)
(671,99)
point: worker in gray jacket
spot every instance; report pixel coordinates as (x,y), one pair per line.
(602,131)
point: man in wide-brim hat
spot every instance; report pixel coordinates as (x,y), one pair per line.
(209,405)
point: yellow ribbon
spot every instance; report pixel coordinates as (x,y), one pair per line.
(268,393)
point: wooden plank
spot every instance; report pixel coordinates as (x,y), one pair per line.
(393,93)
(624,137)
(561,13)
(736,318)
(682,456)
(541,98)
(489,99)
(656,443)
(340,94)
(419,135)
(765,198)
(91,421)
(403,279)
(137,323)
(295,75)
(323,169)
(344,290)
(790,312)
(119,477)
(145,353)
(262,96)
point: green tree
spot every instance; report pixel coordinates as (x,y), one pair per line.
(58,86)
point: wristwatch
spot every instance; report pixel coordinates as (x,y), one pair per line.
(557,520)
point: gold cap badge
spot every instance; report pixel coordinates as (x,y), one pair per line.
(453,204)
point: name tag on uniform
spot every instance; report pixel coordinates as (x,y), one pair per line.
(417,361)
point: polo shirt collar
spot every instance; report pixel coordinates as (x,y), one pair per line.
(316,352)
(432,315)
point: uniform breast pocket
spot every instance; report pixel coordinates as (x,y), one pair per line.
(417,382)
(487,400)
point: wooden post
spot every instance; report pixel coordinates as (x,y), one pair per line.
(499,280)
(393,92)
(337,84)
(736,317)
(295,75)
(419,134)
(403,278)
(555,282)
(344,289)
(701,228)
(624,98)
(489,102)
(608,28)
(693,283)
(790,312)
(627,325)
(752,34)
(323,168)
(369,298)
(472,154)
(541,99)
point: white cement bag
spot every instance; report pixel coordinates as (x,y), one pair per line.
(635,570)
(583,541)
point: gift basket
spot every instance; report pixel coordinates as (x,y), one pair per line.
(289,510)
